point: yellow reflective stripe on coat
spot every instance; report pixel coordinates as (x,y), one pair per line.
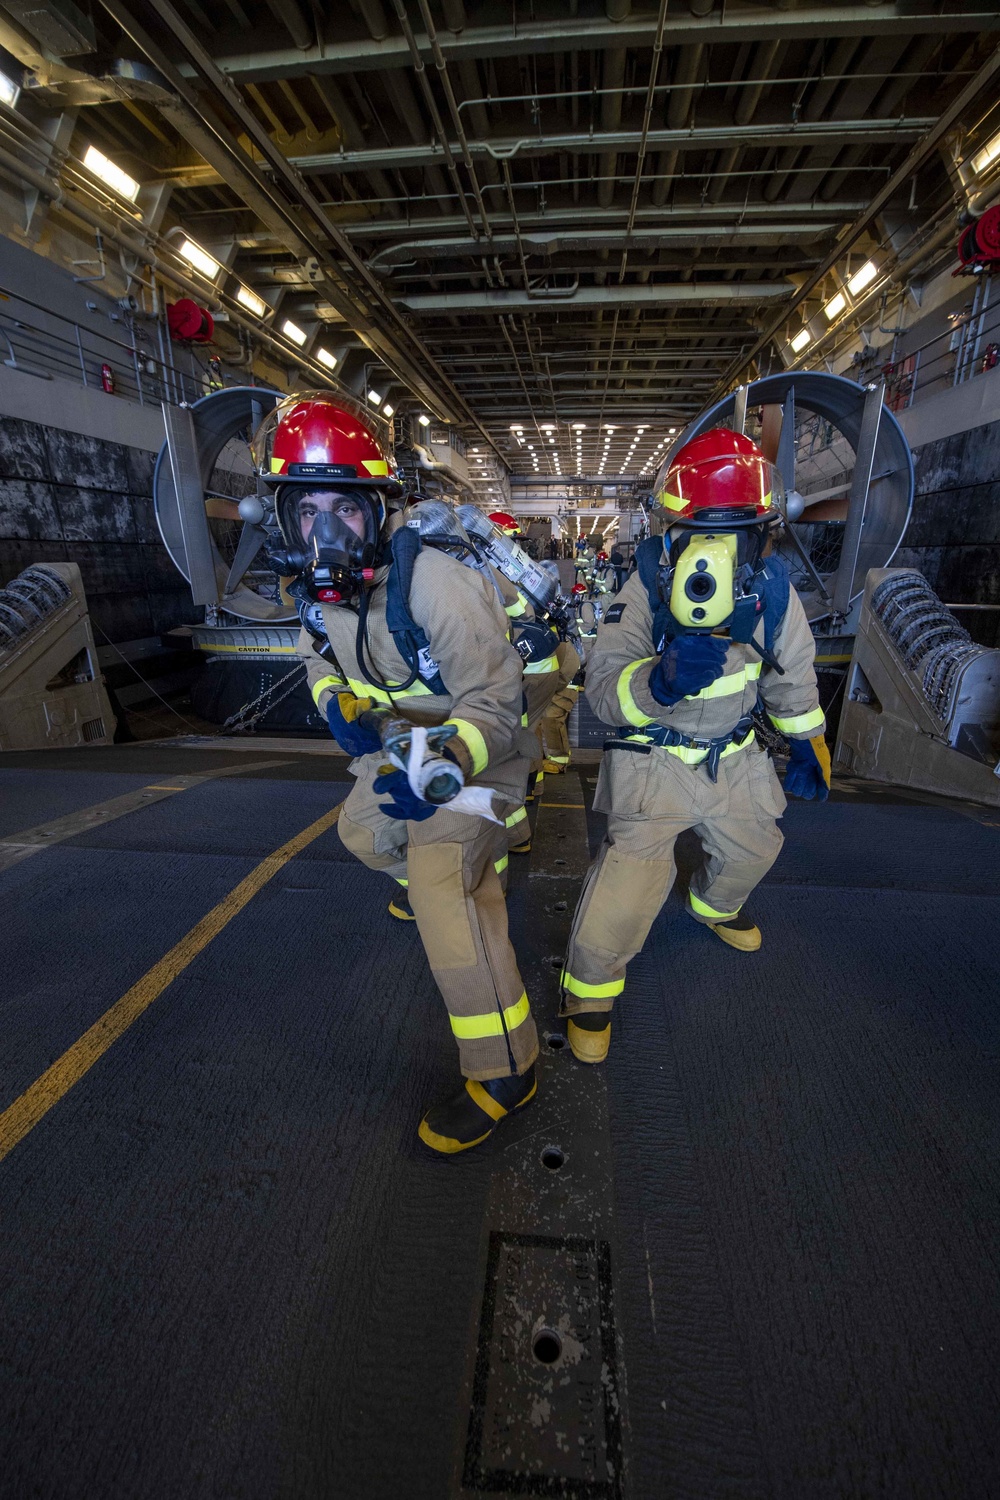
(519,607)
(324,684)
(590,991)
(547,664)
(474,742)
(501,864)
(381,695)
(704,910)
(799,723)
(630,709)
(516,817)
(472,1028)
(724,687)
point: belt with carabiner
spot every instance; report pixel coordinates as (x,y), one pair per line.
(641,742)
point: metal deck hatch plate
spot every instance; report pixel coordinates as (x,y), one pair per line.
(548,1425)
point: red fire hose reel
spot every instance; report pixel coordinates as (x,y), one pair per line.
(979,243)
(189,323)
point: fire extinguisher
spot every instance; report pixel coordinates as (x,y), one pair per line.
(108,379)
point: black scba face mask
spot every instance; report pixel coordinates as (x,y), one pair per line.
(710,581)
(331,564)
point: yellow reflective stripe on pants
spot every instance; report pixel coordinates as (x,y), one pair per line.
(591,991)
(501,864)
(630,709)
(704,910)
(400,881)
(331,684)
(689,754)
(798,723)
(724,687)
(469,1028)
(516,817)
(472,739)
(536,668)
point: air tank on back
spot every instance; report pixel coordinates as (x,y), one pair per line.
(509,558)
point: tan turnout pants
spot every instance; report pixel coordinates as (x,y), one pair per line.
(552,728)
(649,800)
(451,865)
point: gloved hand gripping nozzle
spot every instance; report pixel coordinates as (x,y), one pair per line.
(440,778)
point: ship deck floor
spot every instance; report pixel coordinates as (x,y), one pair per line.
(228,1268)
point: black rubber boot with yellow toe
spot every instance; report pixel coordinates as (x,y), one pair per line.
(739,932)
(400,908)
(523,848)
(589,1035)
(470,1117)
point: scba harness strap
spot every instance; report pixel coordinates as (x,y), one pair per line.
(410,638)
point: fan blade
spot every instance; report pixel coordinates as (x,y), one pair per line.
(770,431)
(825,510)
(252,538)
(218,509)
(785,460)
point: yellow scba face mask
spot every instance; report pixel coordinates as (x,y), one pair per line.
(702,595)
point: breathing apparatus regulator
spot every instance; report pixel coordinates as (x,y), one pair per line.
(331,478)
(721,496)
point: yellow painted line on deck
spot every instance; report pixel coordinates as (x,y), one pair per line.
(23,1115)
(577,805)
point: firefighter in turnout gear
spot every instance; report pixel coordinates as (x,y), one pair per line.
(392,622)
(705,629)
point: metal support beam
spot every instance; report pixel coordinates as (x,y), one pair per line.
(701,293)
(697,138)
(857,505)
(593,33)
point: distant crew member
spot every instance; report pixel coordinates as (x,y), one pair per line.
(618,563)
(389,620)
(704,628)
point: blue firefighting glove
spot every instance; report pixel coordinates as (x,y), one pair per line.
(808,772)
(690,663)
(404,803)
(341,713)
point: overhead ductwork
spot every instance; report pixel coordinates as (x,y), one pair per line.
(670,294)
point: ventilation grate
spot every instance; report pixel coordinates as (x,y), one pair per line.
(93,729)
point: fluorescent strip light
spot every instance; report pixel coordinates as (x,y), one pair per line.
(375,397)
(424,420)
(293,331)
(835,306)
(251,301)
(9,91)
(388,410)
(95,161)
(988,154)
(862,278)
(199,258)
(801,339)
(326,358)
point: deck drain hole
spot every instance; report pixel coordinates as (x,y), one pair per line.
(558,861)
(560,906)
(555,963)
(546,1346)
(556,1041)
(553,1158)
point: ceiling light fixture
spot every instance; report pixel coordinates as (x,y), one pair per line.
(330,360)
(424,419)
(862,278)
(375,397)
(9,91)
(388,410)
(988,154)
(111,175)
(248,299)
(199,258)
(801,339)
(835,306)
(294,332)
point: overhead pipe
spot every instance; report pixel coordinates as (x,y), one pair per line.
(294,18)
(449,93)
(414,375)
(915,159)
(374,16)
(611,119)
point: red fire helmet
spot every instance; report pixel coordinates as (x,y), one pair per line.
(507,524)
(313,438)
(720,478)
